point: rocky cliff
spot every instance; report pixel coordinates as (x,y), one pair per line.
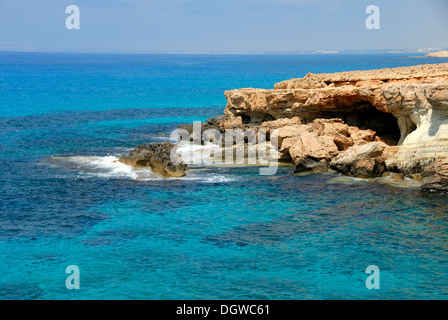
(406,107)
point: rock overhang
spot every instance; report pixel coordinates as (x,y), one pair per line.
(410,103)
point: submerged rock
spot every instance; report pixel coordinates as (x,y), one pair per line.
(393,175)
(157,156)
(435,177)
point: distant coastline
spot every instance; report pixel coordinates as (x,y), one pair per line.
(430,52)
(440,54)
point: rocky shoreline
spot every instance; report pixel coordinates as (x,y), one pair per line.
(361,123)
(440,54)
(159,157)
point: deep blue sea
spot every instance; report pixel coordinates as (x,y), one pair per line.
(219,233)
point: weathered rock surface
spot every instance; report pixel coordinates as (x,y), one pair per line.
(283,122)
(196,131)
(157,156)
(364,161)
(247,154)
(311,152)
(406,106)
(334,128)
(359,136)
(311,147)
(289,132)
(435,177)
(215,121)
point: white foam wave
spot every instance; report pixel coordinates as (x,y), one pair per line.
(109,167)
(105,167)
(210,178)
(194,154)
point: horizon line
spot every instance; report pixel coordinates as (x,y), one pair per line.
(260,52)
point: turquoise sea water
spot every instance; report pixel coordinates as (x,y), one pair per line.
(219,233)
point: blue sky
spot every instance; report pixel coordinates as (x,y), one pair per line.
(222,25)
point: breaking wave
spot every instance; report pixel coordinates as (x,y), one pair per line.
(108,167)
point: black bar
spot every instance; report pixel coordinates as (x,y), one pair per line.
(219,309)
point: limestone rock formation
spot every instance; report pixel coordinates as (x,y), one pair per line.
(435,177)
(312,152)
(334,128)
(157,156)
(197,135)
(440,54)
(283,122)
(289,132)
(405,106)
(364,161)
(311,147)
